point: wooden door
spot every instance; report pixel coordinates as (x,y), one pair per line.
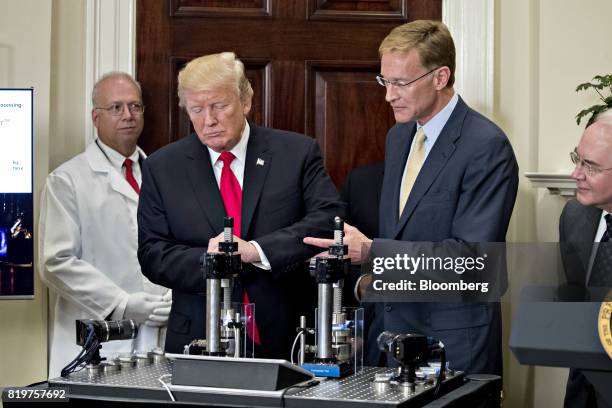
(312,65)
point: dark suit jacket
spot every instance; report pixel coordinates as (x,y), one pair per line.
(361,193)
(465,191)
(577,228)
(284,200)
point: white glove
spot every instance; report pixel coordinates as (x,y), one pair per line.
(159,317)
(141,304)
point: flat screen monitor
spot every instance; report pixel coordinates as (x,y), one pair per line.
(16,196)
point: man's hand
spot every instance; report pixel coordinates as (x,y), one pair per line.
(248,252)
(358,244)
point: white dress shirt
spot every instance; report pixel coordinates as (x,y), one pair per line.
(116,160)
(433,128)
(237,166)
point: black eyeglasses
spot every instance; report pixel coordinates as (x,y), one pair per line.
(116,109)
(590,169)
(401,83)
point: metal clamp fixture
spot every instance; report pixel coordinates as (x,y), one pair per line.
(333,333)
(223,324)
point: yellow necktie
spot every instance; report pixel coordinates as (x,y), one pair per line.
(413,166)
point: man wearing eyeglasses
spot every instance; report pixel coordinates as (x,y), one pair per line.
(584,221)
(450,174)
(88,232)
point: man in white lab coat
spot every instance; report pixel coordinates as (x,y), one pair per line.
(88,232)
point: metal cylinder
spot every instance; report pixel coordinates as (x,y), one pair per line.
(338,231)
(302,340)
(324,319)
(337,298)
(237,337)
(338,237)
(227,234)
(213,314)
(226,284)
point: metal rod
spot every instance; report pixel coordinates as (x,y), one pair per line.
(237,337)
(337,298)
(324,318)
(213,314)
(226,284)
(302,340)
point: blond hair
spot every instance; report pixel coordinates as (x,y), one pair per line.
(214,71)
(431,39)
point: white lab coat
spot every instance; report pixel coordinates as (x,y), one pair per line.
(88,240)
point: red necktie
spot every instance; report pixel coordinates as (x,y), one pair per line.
(129,175)
(231,193)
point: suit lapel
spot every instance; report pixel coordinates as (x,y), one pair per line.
(258,161)
(396,169)
(204,184)
(437,158)
(585,236)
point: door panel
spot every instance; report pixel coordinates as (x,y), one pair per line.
(312,65)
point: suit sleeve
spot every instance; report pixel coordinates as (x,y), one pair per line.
(162,258)
(345,195)
(61,266)
(321,204)
(488,192)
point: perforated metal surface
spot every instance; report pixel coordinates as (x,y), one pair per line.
(359,388)
(141,383)
(131,383)
(132,377)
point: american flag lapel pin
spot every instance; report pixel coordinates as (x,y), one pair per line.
(260,162)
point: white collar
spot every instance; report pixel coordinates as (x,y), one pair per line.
(116,159)
(239,151)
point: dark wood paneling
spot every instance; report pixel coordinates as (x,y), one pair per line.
(221,8)
(335,99)
(153,72)
(347,114)
(358,10)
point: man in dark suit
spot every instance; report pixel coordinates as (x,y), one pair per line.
(583,222)
(272,182)
(450,174)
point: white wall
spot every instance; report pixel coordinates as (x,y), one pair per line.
(544,49)
(25,38)
(40,46)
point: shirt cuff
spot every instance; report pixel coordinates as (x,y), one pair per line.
(120,309)
(263,260)
(356,288)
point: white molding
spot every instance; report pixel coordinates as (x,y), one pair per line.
(557,184)
(472,24)
(110,45)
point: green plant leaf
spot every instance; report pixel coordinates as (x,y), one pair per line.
(584,86)
(598,83)
(593,111)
